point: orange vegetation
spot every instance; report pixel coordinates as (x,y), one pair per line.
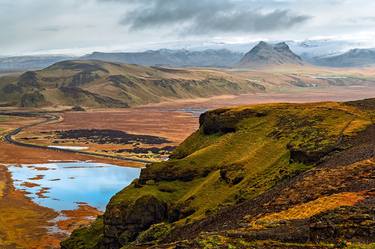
(309,209)
(23,223)
(82,216)
(12,154)
(37,177)
(29,184)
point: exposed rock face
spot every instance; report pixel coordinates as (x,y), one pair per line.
(122,224)
(163,175)
(28,79)
(121,80)
(265,54)
(83,78)
(223,121)
(34,99)
(81,97)
(11,89)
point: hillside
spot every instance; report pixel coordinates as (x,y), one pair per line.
(264,176)
(106,84)
(172,58)
(352,58)
(265,54)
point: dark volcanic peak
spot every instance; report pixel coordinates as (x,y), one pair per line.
(265,54)
(353,58)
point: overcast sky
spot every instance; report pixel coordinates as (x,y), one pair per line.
(82,26)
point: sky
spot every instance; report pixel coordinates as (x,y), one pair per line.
(82,26)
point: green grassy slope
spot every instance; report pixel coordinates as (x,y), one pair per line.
(238,155)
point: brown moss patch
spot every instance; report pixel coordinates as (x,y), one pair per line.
(36,178)
(82,216)
(29,184)
(309,209)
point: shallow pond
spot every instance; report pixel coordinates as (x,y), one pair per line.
(62,186)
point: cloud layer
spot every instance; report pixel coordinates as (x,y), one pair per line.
(82,26)
(209,17)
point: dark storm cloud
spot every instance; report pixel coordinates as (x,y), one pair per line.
(208,16)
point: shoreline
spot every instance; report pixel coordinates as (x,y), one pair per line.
(51,226)
(30,219)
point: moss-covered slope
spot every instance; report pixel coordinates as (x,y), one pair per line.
(246,171)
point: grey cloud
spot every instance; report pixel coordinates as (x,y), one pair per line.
(52,28)
(369,18)
(208,16)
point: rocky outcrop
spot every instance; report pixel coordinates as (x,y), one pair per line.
(162,174)
(225,120)
(79,96)
(12,89)
(28,79)
(34,99)
(83,78)
(122,224)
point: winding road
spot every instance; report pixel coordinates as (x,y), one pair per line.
(50,118)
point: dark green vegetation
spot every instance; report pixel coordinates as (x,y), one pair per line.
(266,176)
(105,84)
(109,137)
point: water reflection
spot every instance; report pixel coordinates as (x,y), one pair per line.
(62,185)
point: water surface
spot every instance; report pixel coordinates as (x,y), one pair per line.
(70,183)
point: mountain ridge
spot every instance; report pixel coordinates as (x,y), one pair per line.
(352,58)
(108,84)
(174,58)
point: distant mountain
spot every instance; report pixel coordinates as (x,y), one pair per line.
(352,58)
(265,54)
(309,49)
(172,58)
(106,84)
(20,63)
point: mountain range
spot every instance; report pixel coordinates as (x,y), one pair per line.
(352,58)
(108,84)
(321,53)
(172,58)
